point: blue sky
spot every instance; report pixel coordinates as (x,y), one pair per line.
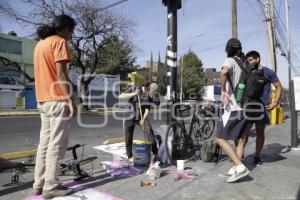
(212,18)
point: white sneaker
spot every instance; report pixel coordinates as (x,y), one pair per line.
(240,172)
(230,172)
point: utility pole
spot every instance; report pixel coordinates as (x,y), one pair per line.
(270,20)
(181,81)
(234,18)
(294,120)
(172,6)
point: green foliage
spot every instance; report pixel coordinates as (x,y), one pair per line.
(115,57)
(192,76)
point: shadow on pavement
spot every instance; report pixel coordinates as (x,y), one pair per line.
(245,179)
(164,173)
(16,188)
(270,153)
(102,180)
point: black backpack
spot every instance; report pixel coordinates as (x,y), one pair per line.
(254,80)
(210,151)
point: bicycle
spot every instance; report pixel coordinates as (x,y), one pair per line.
(183,139)
(75,165)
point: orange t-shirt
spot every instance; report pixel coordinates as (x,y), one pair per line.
(47,52)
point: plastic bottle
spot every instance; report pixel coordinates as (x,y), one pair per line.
(240,92)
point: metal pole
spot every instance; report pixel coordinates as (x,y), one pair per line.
(288,39)
(181,75)
(294,121)
(234,18)
(172,6)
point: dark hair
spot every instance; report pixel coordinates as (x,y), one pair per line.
(233,47)
(146,84)
(59,23)
(253,54)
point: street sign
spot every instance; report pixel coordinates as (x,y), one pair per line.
(297,92)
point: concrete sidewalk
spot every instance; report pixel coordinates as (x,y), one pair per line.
(277,178)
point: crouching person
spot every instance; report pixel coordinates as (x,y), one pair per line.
(134,117)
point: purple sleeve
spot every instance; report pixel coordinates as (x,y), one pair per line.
(270,75)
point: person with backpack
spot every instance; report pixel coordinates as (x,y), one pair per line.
(55,103)
(260,119)
(232,123)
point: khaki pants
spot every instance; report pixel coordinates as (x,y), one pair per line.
(54,136)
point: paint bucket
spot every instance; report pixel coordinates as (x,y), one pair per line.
(142,150)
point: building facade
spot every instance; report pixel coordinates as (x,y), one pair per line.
(16,59)
(19,50)
(212,85)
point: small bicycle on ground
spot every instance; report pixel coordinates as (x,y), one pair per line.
(75,163)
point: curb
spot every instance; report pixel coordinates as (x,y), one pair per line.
(90,112)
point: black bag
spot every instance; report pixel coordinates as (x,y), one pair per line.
(255,84)
(210,150)
(253,78)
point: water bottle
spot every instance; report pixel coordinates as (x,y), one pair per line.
(240,92)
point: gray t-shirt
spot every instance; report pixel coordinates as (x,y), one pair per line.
(234,75)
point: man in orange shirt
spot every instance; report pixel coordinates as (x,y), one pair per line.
(53,94)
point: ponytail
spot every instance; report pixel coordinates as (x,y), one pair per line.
(45,31)
(59,23)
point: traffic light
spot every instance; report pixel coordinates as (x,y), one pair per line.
(177,2)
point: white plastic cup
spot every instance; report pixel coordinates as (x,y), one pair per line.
(180,165)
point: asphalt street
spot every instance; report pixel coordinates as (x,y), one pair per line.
(22,133)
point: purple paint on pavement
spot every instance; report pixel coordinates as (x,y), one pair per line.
(81,192)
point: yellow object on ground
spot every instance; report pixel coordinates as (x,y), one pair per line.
(18,154)
(276,116)
(141,142)
(114,140)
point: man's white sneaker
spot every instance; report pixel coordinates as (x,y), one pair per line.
(241,172)
(230,172)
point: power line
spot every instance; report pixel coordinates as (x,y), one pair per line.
(281,36)
(254,10)
(223,44)
(280,6)
(281,30)
(112,5)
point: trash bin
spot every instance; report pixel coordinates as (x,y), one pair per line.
(30,100)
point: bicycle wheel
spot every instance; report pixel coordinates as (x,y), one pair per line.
(175,144)
(196,134)
(87,160)
(207,129)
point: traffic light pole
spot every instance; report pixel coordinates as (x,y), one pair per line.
(172,6)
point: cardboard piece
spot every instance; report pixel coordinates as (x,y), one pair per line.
(116,149)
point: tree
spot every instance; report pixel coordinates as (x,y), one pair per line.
(192,76)
(116,57)
(95,26)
